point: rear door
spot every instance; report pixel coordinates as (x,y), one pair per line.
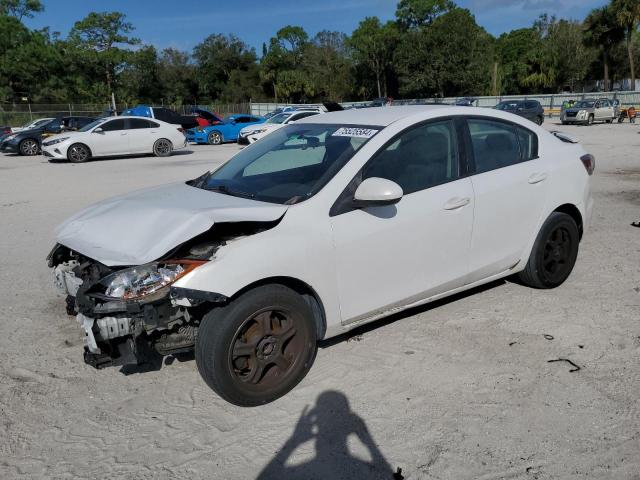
(113,139)
(510,184)
(142,134)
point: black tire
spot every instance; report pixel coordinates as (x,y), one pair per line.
(563,122)
(78,153)
(29,147)
(554,253)
(258,347)
(162,148)
(540,120)
(214,138)
(590,120)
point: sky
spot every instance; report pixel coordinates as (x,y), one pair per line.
(171,23)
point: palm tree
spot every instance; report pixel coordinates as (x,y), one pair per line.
(628,16)
(602,31)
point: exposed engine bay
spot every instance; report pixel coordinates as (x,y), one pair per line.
(129,313)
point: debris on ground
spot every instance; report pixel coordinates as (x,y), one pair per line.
(547,336)
(635,224)
(568,361)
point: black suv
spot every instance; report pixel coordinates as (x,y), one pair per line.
(529,109)
(28,142)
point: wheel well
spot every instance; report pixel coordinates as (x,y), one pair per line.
(162,138)
(573,212)
(303,289)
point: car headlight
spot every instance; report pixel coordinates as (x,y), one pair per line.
(136,282)
(582,113)
(11,137)
(262,130)
(56,141)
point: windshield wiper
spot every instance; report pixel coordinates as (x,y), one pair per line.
(229,191)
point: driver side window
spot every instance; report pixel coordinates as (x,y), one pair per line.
(419,158)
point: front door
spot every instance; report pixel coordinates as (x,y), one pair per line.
(111,140)
(391,256)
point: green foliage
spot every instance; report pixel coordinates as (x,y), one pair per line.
(431,48)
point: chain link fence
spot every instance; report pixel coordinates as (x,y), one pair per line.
(18,114)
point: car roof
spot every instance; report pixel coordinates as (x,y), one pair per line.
(379,116)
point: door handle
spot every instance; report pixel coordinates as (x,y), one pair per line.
(537,178)
(456,203)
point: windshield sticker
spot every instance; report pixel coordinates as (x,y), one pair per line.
(354,132)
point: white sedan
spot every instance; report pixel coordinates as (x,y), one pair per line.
(324,225)
(115,136)
(253,133)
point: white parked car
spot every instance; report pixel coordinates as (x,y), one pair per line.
(253,133)
(324,225)
(115,136)
(33,124)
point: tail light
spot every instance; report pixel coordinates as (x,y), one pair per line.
(589,162)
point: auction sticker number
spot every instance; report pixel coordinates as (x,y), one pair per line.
(355,132)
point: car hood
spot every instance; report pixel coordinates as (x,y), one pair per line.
(70,134)
(261,126)
(142,226)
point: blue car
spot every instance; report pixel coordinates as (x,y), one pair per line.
(227,131)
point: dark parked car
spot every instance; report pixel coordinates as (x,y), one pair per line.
(529,109)
(28,142)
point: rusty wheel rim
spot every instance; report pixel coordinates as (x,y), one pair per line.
(266,350)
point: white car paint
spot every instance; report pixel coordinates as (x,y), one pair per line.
(254,133)
(115,136)
(367,262)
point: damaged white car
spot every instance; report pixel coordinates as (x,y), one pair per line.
(326,224)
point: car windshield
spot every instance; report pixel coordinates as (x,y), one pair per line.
(584,104)
(289,165)
(279,119)
(507,105)
(95,123)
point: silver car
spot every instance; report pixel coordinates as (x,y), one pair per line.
(588,111)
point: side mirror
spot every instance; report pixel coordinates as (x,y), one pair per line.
(377,192)
(233,121)
(98,130)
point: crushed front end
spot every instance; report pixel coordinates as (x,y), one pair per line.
(130,313)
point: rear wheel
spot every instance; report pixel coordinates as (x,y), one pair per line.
(78,153)
(214,138)
(29,147)
(554,253)
(258,347)
(162,148)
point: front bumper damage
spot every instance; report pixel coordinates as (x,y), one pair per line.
(123,332)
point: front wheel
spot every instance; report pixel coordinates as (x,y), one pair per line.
(590,120)
(214,138)
(162,148)
(78,153)
(29,147)
(258,347)
(539,120)
(554,253)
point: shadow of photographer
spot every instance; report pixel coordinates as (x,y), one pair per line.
(329,424)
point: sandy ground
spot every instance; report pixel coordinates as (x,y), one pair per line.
(457,390)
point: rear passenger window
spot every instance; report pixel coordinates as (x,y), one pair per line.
(135,123)
(528,144)
(495,144)
(420,158)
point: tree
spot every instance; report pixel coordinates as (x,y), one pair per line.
(453,56)
(98,38)
(603,32)
(417,13)
(177,77)
(374,46)
(628,16)
(217,57)
(569,55)
(328,64)
(20,8)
